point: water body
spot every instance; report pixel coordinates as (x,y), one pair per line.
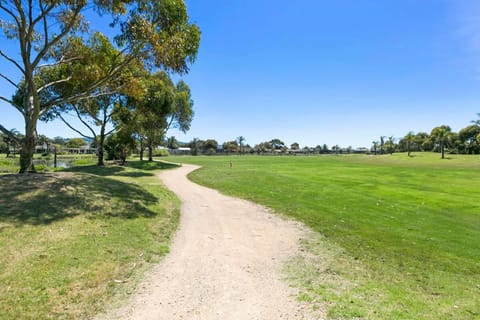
(49,163)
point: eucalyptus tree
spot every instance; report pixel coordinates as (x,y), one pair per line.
(75,143)
(468,138)
(230,146)
(156,32)
(161,106)
(277,144)
(209,146)
(441,135)
(120,144)
(97,114)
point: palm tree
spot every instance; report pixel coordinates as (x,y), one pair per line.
(382,143)
(410,138)
(477,122)
(12,139)
(240,140)
(172,143)
(44,140)
(391,144)
(194,144)
(375,144)
(441,135)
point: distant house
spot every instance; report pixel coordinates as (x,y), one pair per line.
(43,148)
(180,151)
(361,150)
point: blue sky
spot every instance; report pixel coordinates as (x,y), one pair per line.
(337,72)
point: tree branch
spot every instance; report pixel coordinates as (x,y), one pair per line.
(79,115)
(110,132)
(74,129)
(12,61)
(9,80)
(61,61)
(9,133)
(6,100)
(10,12)
(52,83)
(74,98)
(169,123)
(57,38)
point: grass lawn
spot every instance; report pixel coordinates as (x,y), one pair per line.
(73,242)
(400,236)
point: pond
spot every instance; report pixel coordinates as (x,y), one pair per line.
(61,163)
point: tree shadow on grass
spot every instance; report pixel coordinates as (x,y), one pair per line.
(103,171)
(152,165)
(36,199)
(138,174)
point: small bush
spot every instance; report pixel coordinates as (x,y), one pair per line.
(160,153)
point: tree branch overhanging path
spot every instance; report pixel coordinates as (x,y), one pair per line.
(225,262)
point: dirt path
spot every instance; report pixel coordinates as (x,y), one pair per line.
(224,263)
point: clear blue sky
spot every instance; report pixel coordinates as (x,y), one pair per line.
(337,72)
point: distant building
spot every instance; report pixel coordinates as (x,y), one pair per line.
(180,151)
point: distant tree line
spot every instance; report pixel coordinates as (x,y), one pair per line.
(441,139)
(274,146)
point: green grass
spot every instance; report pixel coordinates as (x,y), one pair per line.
(9,165)
(401,236)
(76,241)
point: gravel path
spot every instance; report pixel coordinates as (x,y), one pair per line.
(225,262)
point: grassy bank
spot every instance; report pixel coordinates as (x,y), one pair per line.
(44,163)
(74,241)
(403,233)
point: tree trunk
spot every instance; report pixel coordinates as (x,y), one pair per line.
(28,146)
(442,148)
(26,154)
(150,153)
(31,114)
(142,149)
(101,142)
(100,155)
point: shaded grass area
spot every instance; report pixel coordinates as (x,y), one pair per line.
(72,241)
(405,230)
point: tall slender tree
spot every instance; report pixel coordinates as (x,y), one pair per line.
(382,143)
(157,32)
(162,106)
(375,144)
(240,140)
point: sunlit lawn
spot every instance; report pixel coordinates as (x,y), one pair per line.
(407,230)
